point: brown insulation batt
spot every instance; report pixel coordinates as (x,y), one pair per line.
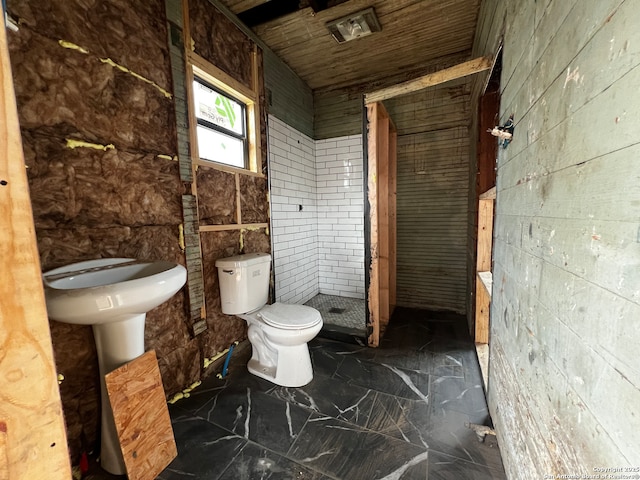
(87,99)
(85,186)
(132,34)
(63,246)
(181,367)
(222,329)
(253,199)
(165,328)
(219,41)
(256,241)
(75,357)
(216,196)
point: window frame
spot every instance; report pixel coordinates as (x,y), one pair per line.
(201,122)
(215,78)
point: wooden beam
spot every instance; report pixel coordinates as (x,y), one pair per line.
(485,235)
(383,216)
(381,187)
(373,293)
(483,305)
(393,240)
(232,226)
(255,116)
(226,168)
(33,442)
(462,70)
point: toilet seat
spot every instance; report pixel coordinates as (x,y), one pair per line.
(290,317)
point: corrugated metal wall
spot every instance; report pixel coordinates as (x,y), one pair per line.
(433,189)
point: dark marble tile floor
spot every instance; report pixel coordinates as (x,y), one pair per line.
(399,412)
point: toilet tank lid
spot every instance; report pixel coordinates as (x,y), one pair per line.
(245,260)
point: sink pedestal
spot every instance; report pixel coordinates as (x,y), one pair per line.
(116,343)
(112,295)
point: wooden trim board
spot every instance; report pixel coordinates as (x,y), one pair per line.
(33,441)
(485,235)
(232,226)
(483,305)
(372,195)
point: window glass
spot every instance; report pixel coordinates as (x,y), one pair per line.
(218,147)
(221,128)
(218,109)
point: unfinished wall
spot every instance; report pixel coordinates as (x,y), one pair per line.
(432,195)
(564,379)
(97,111)
(118,194)
(233,204)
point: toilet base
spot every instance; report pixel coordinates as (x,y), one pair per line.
(293,367)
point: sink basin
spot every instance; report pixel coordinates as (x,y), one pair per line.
(109,289)
(113,295)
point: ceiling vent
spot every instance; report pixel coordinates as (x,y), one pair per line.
(354,26)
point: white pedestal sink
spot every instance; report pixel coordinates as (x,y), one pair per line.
(113,295)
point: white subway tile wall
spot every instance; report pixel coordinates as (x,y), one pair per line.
(293,213)
(317,212)
(339,175)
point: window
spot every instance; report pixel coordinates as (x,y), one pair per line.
(221,125)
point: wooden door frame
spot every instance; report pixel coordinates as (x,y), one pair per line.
(377,311)
(33,442)
(380,220)
(488,116)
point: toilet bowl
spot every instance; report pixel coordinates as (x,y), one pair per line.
(278,333)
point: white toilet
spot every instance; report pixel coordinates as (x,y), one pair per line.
(278,333)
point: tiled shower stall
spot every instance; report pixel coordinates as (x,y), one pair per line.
(317,212)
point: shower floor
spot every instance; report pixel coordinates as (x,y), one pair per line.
(341,314)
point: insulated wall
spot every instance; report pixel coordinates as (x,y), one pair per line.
(102,111)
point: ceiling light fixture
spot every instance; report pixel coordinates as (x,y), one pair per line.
(356,25)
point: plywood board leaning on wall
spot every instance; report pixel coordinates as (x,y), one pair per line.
(142,417)
(33,442)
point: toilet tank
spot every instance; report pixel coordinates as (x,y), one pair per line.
(244,282)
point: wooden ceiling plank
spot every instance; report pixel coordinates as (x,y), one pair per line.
(476,65)
(239,6)
(414,34)
(340,65)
